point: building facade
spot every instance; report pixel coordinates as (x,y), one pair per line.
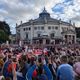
(45,30)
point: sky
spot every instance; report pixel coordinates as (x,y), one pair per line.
(15,11)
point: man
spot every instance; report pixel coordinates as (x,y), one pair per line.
(6,69)
(65,71)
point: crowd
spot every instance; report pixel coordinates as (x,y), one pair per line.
(29,63)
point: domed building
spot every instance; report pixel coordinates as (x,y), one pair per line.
(45,30)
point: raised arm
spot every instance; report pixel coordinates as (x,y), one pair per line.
(30,72)
(48,72)
(14,72)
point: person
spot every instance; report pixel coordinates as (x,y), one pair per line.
(76,67)
(44,72)
(23,68)
(71,60)
(6,69)
(1,63)
(14,71)
(1,67)
(65,71)
(51,67)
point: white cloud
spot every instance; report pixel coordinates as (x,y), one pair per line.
(71,12)
(13,11)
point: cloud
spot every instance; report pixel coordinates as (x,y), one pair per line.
(16,10)
(58,8)
(68,2)
(70,11)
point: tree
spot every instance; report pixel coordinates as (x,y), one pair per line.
(3,36)
(4,31)
(4,26)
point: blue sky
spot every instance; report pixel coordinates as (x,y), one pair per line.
(14,11)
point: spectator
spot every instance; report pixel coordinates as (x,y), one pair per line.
(6,69)
(77,69)
(43,76)
(52,68)
(65,71)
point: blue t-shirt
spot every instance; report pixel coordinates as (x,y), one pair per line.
(65,72)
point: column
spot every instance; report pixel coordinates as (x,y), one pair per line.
(54,41)
(71,39)
(20,43)
(31,32)
(64,40)
(74,38)
(44,41)
(67,39)
(31,35)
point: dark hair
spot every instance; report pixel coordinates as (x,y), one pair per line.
(64,59)
(14,59)
(23,57)
(39,60)
(8,78)
(9,56)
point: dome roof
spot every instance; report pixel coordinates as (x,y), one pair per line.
(44,18)
(44,13)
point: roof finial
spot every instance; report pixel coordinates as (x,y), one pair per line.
(70,21)
(44,8)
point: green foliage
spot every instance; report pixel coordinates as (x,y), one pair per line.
(4,31)
(3,36)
